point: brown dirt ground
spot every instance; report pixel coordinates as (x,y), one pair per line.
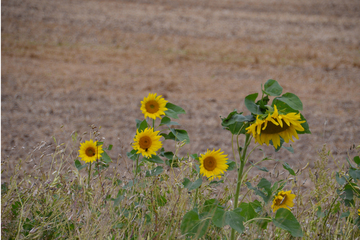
(76,63)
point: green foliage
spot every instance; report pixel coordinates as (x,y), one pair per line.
(192,185)
(235,122)
(272,88)
(159,201)
(173,110)
(284,219)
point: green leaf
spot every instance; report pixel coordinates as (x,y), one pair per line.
(264,196)
(173,110)
(168,136)
(264,169)
(290,170)
(192,185)
(180,135)
(354,173)
(141,125)
(167,121)
(345,214)
(192,225)
(234,122)
(272,88)
(357,160)
(284,219)
(169,155)
(106,157)
(110,147)
(154,159)
(132,155)
(340,180)
(290,149)
(291,100)
(195,156)
(305,125)
(249,210)
(154,172)
(251,105)
(231,164)
(218,218)
(210,205)
(79,166)
(265,184)
(348,193)
(235,220)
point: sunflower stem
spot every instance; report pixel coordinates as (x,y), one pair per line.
(240,176)
(153,123)
(89,176)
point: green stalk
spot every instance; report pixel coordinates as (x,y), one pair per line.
(89,176)
(240,176)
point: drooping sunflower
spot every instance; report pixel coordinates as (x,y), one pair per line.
(274,126)
(283,200)
(213,164)
(89,152)
(153,106)
(147,142)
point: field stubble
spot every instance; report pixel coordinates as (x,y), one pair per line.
(69,64)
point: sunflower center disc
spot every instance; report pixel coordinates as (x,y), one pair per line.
(209,163)
(280,201)
(272,128)
(90,152)
(145,142)
(152,106)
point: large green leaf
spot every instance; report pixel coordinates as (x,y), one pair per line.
(193,226)
(106,157)
(173,110)
(234,122)
(272,88)
(132,155)
(154,172)
(141,125)
(180,135)
(249,210)
(235,220)
(154,159)
(357,160)
(192,185)
(218,218)
(79,166)
(251,105)
(167,121)
(284,219)
(291,100)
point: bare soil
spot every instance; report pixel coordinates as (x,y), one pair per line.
(69,64)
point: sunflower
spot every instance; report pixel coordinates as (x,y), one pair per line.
(153,106)
(147,142)
(283,200)
(359,212)
(274,126)
(213,164)
(89,152)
